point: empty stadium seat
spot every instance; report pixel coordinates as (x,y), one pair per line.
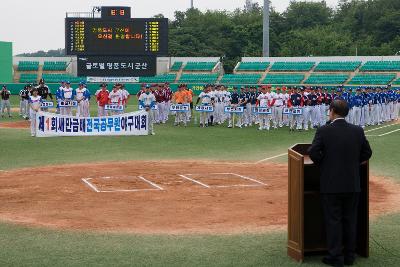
(241,78)
(199,66)
(327,79)
(347,66)
(55,66)
(198,78)
(176,66)
(252,66)
(159,78)
(381,66)
(372,79)
(292,66)
(28,65)
(28,78)
(294,78)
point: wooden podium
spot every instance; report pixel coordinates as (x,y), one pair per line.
(306,227)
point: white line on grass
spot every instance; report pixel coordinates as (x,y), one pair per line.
(89,184)
(266,159)
(150,182)
(389,132)
(380,127)
(194,181)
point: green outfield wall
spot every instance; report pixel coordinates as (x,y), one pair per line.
(6,62)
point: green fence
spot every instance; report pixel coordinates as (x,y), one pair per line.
(6,62)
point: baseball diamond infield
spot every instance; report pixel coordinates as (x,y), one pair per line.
(174,197)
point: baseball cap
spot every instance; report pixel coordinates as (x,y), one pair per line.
(148,86)
(68,82)
(103,85)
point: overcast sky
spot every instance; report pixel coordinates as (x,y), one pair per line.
(39,24)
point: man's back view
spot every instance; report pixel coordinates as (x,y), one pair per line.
(338,149)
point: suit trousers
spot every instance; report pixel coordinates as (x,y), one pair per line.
(340,212)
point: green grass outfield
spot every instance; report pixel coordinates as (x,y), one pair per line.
(23,246)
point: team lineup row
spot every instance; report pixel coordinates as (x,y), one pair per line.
(298,108)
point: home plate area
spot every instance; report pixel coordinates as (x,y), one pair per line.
(133,183)
(173,197)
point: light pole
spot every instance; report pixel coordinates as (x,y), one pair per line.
(191,4)
(266,29)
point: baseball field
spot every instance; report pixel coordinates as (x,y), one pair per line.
(183,197)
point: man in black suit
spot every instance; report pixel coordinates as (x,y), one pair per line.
(338,149)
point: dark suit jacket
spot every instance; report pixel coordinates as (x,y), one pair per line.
(338,149)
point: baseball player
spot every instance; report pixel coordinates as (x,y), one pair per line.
(66,93)
(115,97)
(234,102)
(34,106)
(5,101)
(262,101)
(253,103)
(296,101)
(102,100)
(125,94)
(226,102)
(24,101)
(357,105)
(181,97)
(44,92)
(205,98)
(160,100)
(148,100)
(279,100)
(82,95)
(242,103)
(168,97)
(190,95)
(286,97)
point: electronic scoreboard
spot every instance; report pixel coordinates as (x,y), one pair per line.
(115,33)
(86,36)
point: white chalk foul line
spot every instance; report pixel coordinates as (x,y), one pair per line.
(150,182)
(274,157)
(389,132)
(194,181)
(381,127)
(86,181)
(250,179)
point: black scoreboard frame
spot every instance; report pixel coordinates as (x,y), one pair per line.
(163,37)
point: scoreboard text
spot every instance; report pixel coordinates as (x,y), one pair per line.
(88,36)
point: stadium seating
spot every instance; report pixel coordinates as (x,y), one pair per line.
(397,82)
(170,77)
(176,66)
(55,66)
(28,78)
(28,66)
(381,66)
(198,78)
(372,79)
(292,66)
(294,78)
(199,66)
(241,78)
(347,66)
(252,66)
(56,78)
(327,79)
